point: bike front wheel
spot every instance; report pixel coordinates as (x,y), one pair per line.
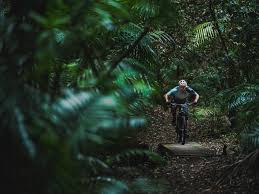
(182,130)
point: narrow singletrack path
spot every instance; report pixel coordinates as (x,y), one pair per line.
(191,174)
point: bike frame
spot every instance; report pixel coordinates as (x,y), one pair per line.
(181,122)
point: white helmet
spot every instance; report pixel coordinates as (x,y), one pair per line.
(182,83)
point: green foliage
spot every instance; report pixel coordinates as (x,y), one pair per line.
(170,70)
(62,115)
(225,71)
(242,95)
(244,166)
(211,76)
(212,121)
(144,9)
(203,33)
(244,102)
(136,156)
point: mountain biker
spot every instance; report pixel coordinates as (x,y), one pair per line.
(179,95)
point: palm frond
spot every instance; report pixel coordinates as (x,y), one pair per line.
(250,134)
(145,9)
(203,33)
(153,11)
(138,82)
(142,9)
(147,50)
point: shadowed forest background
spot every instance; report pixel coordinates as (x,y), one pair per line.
(80,80)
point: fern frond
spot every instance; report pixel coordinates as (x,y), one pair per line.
(106,10)
(69,75)
(241,99)
(110,185)
(203,33)
(86,80)
(160,37)
(137,82)
(128,33)
(94,164)
(250,138)
(23,134)
(250,122)
(241,95)
(245,101)
(136,155)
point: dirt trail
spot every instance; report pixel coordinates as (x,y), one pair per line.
(190,174)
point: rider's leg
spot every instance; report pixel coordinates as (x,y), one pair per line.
(173,111)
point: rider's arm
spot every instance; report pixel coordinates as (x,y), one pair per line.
(196,97)
(166,97)
(192,92)
(170,93)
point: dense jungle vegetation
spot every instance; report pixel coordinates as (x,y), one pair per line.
(80,80)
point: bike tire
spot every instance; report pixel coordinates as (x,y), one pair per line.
(183,129)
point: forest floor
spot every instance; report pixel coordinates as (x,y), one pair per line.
(191,174)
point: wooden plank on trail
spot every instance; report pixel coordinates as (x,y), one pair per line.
(188,149)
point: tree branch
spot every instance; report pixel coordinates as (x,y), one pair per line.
(214,18)
(232,73)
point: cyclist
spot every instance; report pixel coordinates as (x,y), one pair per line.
(179,95)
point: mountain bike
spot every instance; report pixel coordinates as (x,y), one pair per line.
(181,122)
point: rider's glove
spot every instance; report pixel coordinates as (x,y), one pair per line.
(194,103)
